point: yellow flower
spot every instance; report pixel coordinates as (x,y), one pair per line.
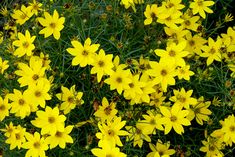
(35,144)
(49,121)
(17,138)
(183,98)
(23,15)
(173,54)
(157,99)
(160,149)
(190,22)
(38,93)
(84,55)
(128,3)
(163,73)
(176,35)
(135,87)
(60,138)
(184,72)
(150,123)
(212,51)
(137,134)
(212,147)
(228,17)
(3,65)
(194,44)
(70,99)
(102,65)
(228,38)
(119,80)
(174,118)
(150,13)
(107,151)
(201,6)
(9,130)
(20,104)
(200,111)
(228,128)
(25,44)
(30,74)
(4,108)
(35,7)
(110,132)
(53,24)
(106,111)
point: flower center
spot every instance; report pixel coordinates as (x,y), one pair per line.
(187,22)
(108,110)
(23,16)
(152,122)
(51,119)
(37,93)
(36,145)
(163,72)
(111,132)
(171,53)
(119,80)
(35,77)
(21,102)
(2,107)
(138,131)
(84,53)
(101,63)
(131,85)
(200,3)
(25,44)
(58,134)
(70,99)
(17,136)
(212,51)
(232,128)
(191,42)
(52,25)
(173,118)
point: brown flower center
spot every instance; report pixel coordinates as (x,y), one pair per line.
(173,118)
(119,80)
(37,93)
(51,119)
(163,72)
(36,145)
(52,25)
(21,102)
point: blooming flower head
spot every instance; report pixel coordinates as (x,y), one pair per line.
(212,51)
(36,145)
(38,93)
(49,121)
(35,7)
(102,65)
(160,149)
(163,73)
(20,104)
(201,6)
(183,98)
(150,13)
(137,135)
(53,24)
(119,80)
(22,15)
(175,117)
(70,98)
(30,74)
(84,55)
(60,138)
(110,132)
(25,44)
(17,138)
(106,111)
